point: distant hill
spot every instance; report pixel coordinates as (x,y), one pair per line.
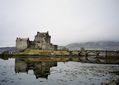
(102,45)
(11,49)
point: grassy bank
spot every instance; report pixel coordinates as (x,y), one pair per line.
(42,52)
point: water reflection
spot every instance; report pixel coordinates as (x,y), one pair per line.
(40,69)
(45,71)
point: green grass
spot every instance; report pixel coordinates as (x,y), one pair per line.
(43,52)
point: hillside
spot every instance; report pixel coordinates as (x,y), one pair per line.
(11,49)
(104,45)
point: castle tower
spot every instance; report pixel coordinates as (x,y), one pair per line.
(22,43)
(43,37)
(42,40)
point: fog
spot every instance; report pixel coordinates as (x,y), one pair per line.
(67,21)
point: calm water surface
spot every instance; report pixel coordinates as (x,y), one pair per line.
(22,72)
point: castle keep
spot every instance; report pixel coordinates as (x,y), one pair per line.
(42,41)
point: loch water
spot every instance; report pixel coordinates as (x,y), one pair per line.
(21,71)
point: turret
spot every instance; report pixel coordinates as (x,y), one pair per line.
(22,43)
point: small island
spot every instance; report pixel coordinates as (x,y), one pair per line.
(40,46)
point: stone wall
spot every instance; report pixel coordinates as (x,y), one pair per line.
(22,43)
(41,41)
(42,38)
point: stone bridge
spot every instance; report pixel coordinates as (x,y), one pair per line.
(94,53)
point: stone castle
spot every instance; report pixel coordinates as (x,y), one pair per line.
(42,41)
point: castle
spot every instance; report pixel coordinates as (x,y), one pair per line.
(42,41)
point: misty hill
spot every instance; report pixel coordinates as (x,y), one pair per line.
(11,49)
(102,45)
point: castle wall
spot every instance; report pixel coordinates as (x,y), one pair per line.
(41,41)
(22,44)
(45,46)
(42,38)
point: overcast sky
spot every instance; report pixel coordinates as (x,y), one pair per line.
(66,20)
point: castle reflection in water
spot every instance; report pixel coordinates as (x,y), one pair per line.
(41,69)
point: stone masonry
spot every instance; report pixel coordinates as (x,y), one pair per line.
(42,41)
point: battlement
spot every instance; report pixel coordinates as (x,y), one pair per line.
(42,34)
(22,39)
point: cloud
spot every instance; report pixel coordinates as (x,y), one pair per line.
(66,20)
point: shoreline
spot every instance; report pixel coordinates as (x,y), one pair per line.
(88,56)
(82,59)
